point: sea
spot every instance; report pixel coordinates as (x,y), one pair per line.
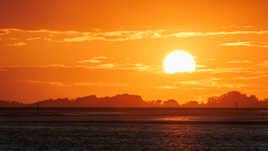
(133,129)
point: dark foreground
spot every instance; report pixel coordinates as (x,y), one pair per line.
(129,130)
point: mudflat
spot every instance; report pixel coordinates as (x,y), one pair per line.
(133,130)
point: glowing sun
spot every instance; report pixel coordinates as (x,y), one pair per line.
(179,61)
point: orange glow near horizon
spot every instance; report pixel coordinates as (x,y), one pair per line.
(52,49)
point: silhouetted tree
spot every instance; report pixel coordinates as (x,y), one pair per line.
(233,99)
(171,103)
(191,104)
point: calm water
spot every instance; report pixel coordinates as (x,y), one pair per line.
(133,129)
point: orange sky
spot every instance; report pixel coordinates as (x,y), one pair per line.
(69,48)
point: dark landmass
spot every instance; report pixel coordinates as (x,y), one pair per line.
(233,99)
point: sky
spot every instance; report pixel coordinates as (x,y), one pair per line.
(66,48)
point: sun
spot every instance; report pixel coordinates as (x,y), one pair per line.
(179,61)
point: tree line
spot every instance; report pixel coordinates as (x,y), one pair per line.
(233,99)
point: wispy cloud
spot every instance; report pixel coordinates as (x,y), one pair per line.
(35,66)
(198,66)
(6,31)
(102,62)
(52,83)
(202,34)
(167,87)
(120,35)
(239,61)
(157,69)
(250,77)
(74,84)
(90,61)
(120,66)
(33,38)
(17,44)
(247,44)
(97,59)
(102,66)
(237,26)
(226,70)
(134,66)
(115,36)
(212,83)
(100,84)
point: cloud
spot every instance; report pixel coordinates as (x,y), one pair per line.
(247,44)
(205,70)
(167,87)
(115,36)
(100,84)
(108,66)
(202,34)
(97,59)
(238,26)
(100,57)
(17,44)
(211,83)
(120,66)
(52,83)
(87,84)
(133,66)
(33,38)
(191,83)
(226,70)
(35,66)
(250,77)
(112,65)
(200,66)
(90,61)
(239,61)
(120,35)
(82,39)
(104,66)
(6,31)
(135,35)
(56,66)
